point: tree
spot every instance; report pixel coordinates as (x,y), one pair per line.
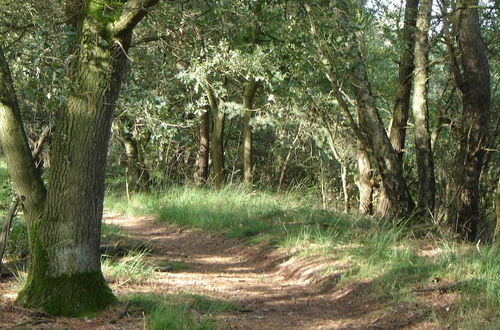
(217,139)
(248,96)
(399,120)
(202,159)
(137,176)
(473,81)
(425,161)
(64,275)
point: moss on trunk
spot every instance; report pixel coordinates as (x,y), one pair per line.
(73,295)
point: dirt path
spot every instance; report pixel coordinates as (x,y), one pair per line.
(271,291)
(269,296)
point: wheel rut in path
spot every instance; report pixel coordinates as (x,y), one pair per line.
(249,276)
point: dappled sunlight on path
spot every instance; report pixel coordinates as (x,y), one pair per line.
(268,296)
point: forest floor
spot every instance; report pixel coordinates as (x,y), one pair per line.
(270,289)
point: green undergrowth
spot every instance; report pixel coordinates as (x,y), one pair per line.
(131,268)
(387,254)
(179,311)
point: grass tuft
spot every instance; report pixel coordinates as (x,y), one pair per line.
(131,268)
(180,311)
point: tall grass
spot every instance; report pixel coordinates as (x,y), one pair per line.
(384,253)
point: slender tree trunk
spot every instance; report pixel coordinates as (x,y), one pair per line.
(137,173)
(248,96)
(400,112)
(345,187)
(474,84)
(4,234)
(425,162)
(22,170)
(364,183)
(287,159)
(201,174)
(399,121)
(137,176)
(217,140)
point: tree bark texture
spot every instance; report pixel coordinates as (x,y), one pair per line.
(399,120)
(201,174)
(474,84)
(217,140)
(137,174)
(248,96)
(399,201)
(425,162)
(397,131)
(364,183)
(64,275)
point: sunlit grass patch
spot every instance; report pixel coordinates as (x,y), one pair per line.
(131,268)
(180,311)
(385,254)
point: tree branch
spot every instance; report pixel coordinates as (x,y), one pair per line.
(25,178)
(133,12)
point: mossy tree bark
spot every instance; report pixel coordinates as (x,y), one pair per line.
(64,275)
(425,161)
(473,81)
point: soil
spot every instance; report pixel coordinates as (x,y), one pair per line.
(271,290)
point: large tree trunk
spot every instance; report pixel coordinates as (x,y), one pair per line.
(201,174)
(425,162)
(474,84)
(248,96)
(64,275)
(217,140)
